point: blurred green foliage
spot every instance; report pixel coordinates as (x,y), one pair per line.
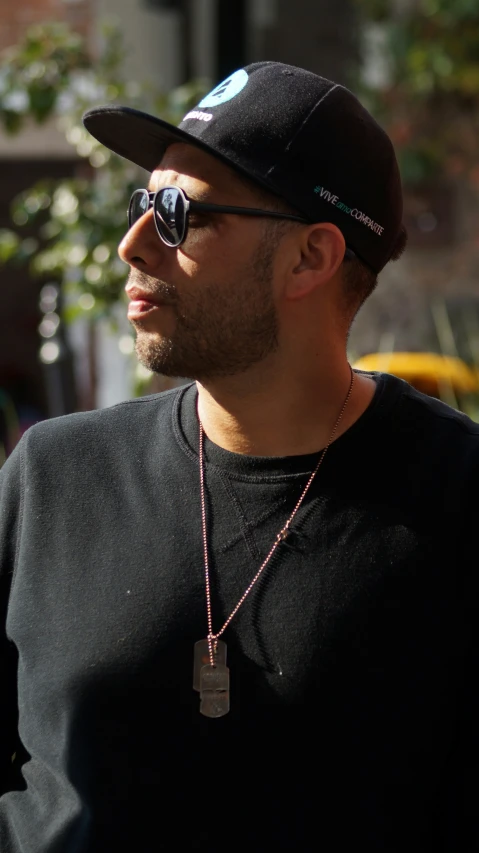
(429,98)
(80,221)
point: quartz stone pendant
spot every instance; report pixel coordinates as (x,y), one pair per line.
(214,690)
(202,657)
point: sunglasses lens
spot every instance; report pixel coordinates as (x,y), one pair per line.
(139,204)
(170,216)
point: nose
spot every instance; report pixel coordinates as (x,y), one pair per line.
(141,246)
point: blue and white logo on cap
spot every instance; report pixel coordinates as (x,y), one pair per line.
(226,90)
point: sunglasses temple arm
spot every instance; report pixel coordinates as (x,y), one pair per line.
(253,211)
(244,211)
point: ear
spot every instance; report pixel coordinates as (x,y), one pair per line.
(321,250)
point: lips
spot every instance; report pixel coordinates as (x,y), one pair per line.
(141,302)
(139,294)
(138,308)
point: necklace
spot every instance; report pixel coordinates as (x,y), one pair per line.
(210,673)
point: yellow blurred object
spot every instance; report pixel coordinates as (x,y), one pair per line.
(427,371)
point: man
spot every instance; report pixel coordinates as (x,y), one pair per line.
(242,614)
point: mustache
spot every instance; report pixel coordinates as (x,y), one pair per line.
(154,287)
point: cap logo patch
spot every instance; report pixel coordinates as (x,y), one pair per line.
(199,115)
(226,90)
(351,211)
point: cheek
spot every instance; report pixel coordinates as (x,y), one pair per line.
(187,265)
(216,245)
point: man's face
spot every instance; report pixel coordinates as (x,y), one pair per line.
(205,309)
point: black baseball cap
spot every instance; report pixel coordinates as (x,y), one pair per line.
(305,138)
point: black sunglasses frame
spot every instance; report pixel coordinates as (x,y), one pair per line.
(199,206)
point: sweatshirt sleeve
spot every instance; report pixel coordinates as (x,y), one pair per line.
(10,521)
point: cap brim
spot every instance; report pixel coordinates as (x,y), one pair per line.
(134,135)
(139,137)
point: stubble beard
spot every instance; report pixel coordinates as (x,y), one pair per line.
(221,329)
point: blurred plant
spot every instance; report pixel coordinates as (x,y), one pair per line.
(79,221)
(427,94)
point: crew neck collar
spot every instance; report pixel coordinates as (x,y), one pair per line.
(185,426)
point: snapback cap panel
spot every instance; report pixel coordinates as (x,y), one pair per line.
(246,129)
(341,168)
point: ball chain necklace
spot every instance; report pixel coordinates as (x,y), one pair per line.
(210,673)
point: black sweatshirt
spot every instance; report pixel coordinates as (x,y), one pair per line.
(354,702)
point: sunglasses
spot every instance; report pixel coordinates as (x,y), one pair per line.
(171,207)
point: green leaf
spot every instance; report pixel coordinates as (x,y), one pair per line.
(42,101)
(9,243)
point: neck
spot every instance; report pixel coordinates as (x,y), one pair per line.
(283,415)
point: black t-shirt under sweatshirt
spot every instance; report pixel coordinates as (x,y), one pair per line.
(354,707)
